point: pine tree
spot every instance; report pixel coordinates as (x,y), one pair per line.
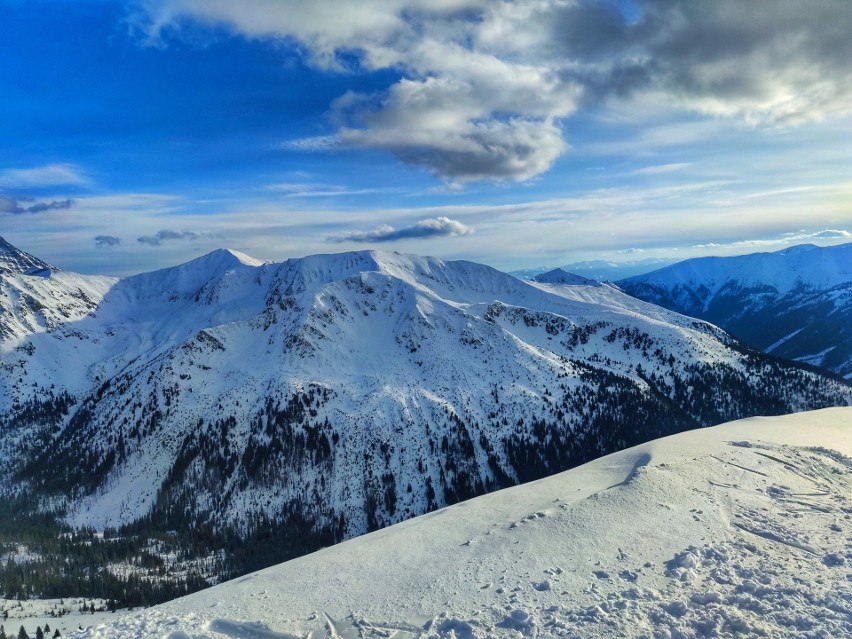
(22,633)
(39,633)
(2,632)
(57,634)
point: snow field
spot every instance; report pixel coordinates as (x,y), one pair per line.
(741,530)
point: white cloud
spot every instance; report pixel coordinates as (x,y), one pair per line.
(488,84)
(39,176)
(300,189)
(315,144)
(424,229)
(662,168)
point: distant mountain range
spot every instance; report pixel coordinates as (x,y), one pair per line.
(315,399)
(601,270)
(795,303)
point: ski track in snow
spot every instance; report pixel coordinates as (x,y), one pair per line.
(743,530)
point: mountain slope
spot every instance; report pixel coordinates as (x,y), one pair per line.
(795,303)
(16,261)
(755,542)
(318,398)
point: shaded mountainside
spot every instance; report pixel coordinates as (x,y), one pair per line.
(315,399)
(796,303)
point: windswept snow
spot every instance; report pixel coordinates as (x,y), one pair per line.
(741,530)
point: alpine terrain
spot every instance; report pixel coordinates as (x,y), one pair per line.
(795,303)
(228,413)
(741,530)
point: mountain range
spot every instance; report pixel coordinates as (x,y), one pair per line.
(795,303)
(319,398)
(601,270)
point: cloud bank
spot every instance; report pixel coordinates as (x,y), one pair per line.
(488,87)
(15,207)
(424,229)
(106,241)
(166,235)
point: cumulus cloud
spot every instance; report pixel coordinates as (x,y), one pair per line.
(15,206)
(487,86)
(166,235)
(106,241)
(424,229)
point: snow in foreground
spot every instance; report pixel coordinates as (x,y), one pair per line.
(740,530)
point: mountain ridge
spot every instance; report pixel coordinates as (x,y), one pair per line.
(795,303)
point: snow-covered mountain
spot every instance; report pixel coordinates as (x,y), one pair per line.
(741,530)
(561,276)
(319,398)
(795,303)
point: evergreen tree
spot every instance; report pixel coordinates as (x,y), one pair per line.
(57,634)
(2,632)
(22,633)
(39,633)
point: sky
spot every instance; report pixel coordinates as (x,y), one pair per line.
(138,135)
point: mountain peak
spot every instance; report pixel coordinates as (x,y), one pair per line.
(15,261)
(226,257)
(560,276)
(799,248)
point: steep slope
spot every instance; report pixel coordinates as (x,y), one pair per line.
(795,303)
(16,261)
(741,530)
(319,398)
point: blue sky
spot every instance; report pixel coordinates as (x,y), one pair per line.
(136,135)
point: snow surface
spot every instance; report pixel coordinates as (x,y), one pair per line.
(741,530)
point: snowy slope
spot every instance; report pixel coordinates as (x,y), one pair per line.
(741,530)
(322,397)
(795,303)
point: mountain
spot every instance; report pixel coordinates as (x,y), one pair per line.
(13,260)
(795,303)
(234,402)
(560,276)
(600,270)
(741,530)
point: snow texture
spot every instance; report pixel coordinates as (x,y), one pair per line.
(741,530)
